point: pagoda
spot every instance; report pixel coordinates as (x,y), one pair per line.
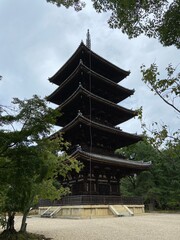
(88,96)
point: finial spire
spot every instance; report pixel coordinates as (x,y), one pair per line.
(88,40)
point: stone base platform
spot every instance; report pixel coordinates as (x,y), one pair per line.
(90,211)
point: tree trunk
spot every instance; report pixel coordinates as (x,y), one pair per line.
(10,222)
(23,223)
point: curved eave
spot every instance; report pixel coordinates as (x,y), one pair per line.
(138,165)
(112,66)
(97,75)
(53,79)
(80,89)
(81,67)
(56,92)
(87,122)
(126,113)
(57,76)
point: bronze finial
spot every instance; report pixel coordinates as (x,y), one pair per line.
(88,40)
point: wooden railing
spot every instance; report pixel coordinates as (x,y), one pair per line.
(93,200)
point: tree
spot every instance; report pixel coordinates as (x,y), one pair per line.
(142,184)
(154,18)
(167,89)
(166,166)
(160,185)
(78,5)
(29,161)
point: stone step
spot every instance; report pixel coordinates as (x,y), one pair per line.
(120,210)
(50,212)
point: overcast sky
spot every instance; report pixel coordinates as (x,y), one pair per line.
(37,38)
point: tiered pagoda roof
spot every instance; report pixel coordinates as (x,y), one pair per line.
(82,74)
(112,161)
(81,97)
(92,61)
(104,136)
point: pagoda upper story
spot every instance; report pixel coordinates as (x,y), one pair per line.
(92,61)
(87,96)
(99,85)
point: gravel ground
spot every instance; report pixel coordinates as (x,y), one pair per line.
(145,227)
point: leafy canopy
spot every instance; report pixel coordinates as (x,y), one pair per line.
(154,18)
(168,89)
(160,186)
(29,161)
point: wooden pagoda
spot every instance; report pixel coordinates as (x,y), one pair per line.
(88,94)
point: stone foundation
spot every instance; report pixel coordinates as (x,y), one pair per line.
(93,211)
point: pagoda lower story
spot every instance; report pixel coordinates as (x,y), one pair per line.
(101,175)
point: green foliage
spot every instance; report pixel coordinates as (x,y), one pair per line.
(161,184)
(142,184)
(29,160)
(169,31)
(78,5)
(152,18)
(167,89)
(3,221)
(170,183)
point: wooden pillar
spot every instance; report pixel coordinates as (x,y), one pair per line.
(85,185)
(118,177)
(96,182)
